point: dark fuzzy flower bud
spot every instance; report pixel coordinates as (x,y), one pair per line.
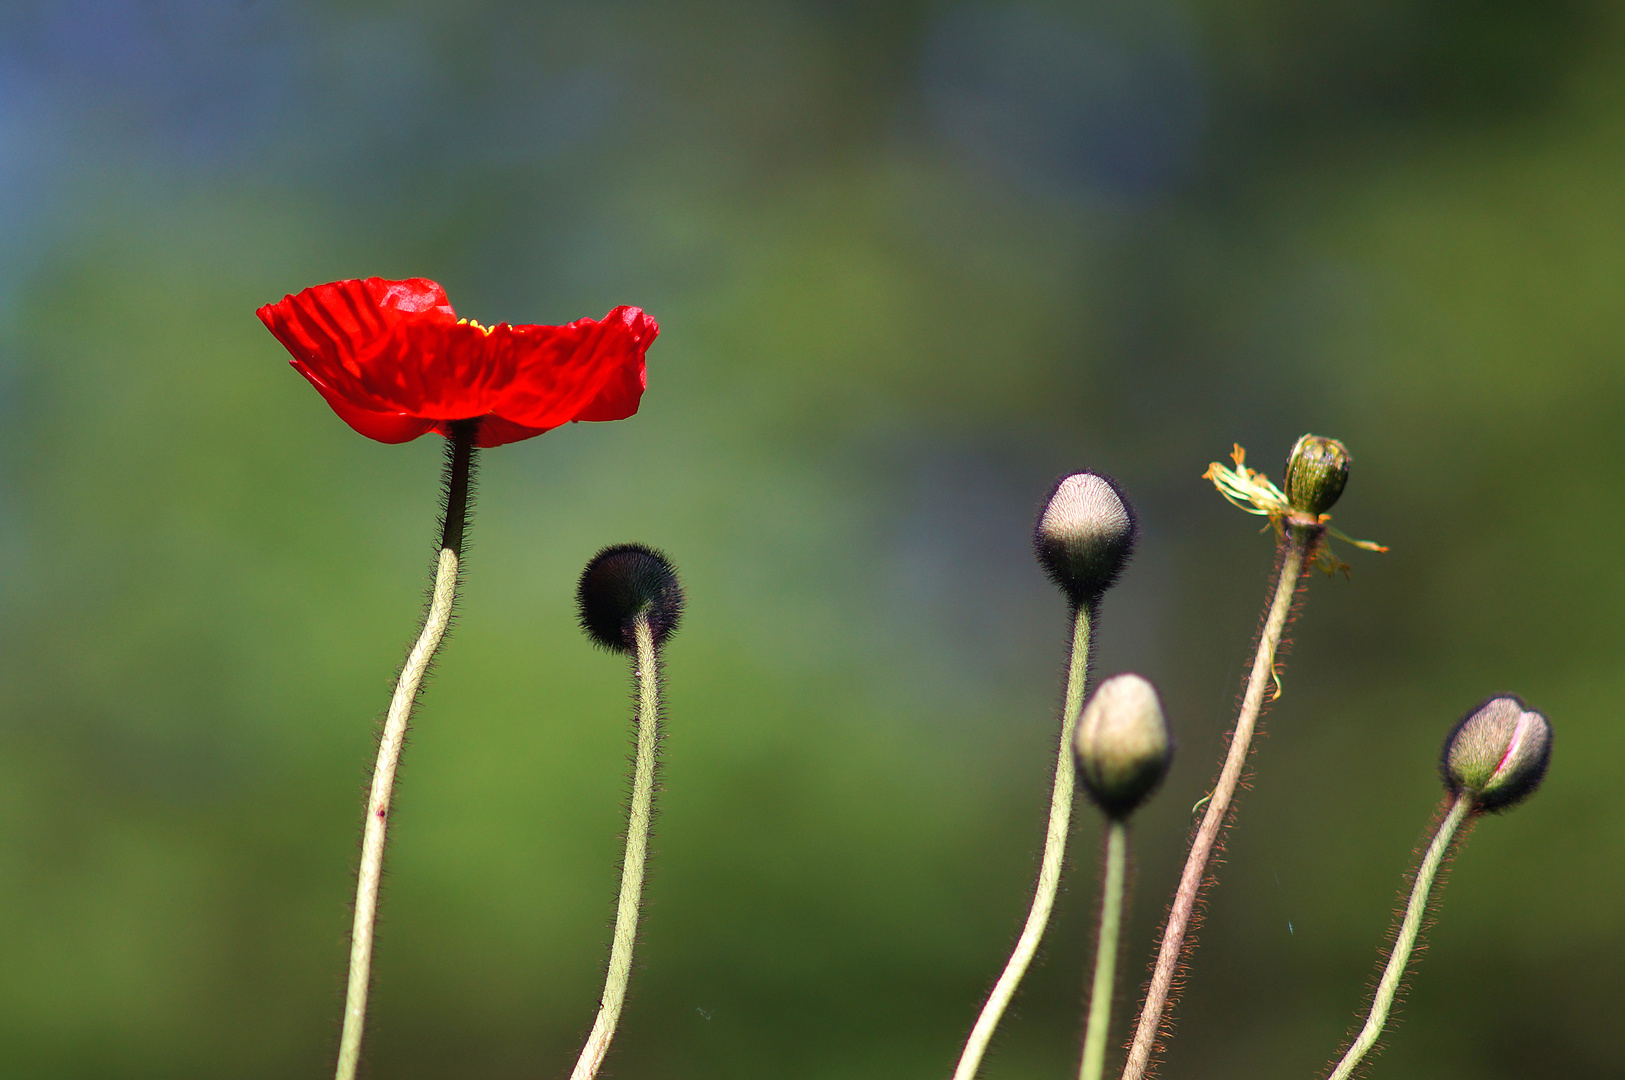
(1316,471)
(1122,744)
(1498,753)
(622,582)
(1085,535)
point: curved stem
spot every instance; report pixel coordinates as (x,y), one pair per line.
(1049,872)
(1405,940)
(637,847)
(1300,539)
(1111,926)
(459,466)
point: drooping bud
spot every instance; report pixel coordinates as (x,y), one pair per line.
(1122,744)
(1498,753)
(1085,535)
(1316,471)
(622,582)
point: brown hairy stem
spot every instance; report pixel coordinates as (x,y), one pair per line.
(1300,539)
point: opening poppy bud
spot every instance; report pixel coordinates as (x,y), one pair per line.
(622,582)
(1085,535)
(1498,753)
(1316,471)
(1122,744)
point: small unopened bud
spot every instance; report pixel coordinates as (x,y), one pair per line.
(1316,471)
(619,584)
(1085,535)
(1498,753)
(1122,744)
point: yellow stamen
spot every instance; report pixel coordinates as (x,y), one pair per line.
(1247,488)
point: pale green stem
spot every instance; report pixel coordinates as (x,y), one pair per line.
(637,847)
(1049,872)
(1405,941)
(1298,543)
(459,474)
(1111,928)
(383,784)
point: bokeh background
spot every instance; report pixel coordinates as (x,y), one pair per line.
(912,261)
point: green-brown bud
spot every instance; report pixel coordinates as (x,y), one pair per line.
(1316,471)
(1498,753)
(1122,744)
(1085,535)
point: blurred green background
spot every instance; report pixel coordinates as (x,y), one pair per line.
(911,262)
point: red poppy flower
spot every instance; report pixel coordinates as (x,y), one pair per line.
(394,361)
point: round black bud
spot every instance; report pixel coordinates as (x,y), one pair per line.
(1122,744)
(622,582)
(1316,471)
(1498,753)
(1085,535)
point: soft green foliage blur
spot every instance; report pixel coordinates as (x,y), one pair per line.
(1398,223)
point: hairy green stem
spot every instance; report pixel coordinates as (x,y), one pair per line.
(459,468)
(1049,872)
(1405,940)
(1300,539)
(1111,928)
(637,848)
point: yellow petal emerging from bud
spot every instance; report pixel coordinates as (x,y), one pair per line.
(1122,744)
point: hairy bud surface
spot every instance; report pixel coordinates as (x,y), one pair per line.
(1085,535)
(1122,744)
(1498,753)
(621,583)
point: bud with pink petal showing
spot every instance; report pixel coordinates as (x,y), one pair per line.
(1498,753)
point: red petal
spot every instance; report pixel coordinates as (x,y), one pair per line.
(622,394)
(335,331)
(588,370)
(386,427)
(494,431)
(393,361)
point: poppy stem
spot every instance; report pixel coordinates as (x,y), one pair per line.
(1299,541)
(1111,927)
(1405,941)
(647,673)
(458,472)
(1049,872)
